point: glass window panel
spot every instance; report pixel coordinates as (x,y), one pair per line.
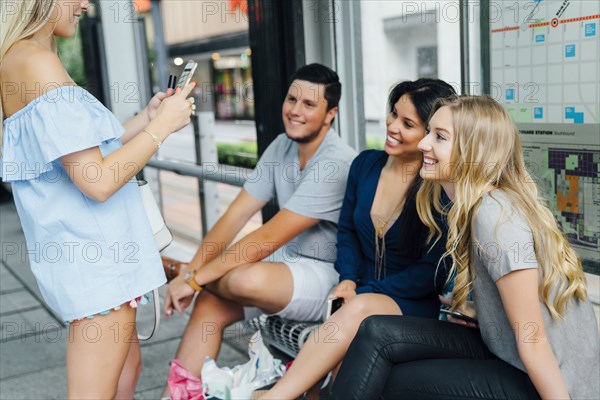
(224,87)
(405,40)
(181,206)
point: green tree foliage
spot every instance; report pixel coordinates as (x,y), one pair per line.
(238,154)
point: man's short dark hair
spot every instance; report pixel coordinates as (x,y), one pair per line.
(322,75)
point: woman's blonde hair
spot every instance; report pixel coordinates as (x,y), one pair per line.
(486,155)
(20,20)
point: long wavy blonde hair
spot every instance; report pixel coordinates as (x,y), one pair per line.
(20,20)
(487,155)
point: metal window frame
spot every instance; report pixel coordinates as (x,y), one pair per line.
(277,44)
(348,55)
(333,37)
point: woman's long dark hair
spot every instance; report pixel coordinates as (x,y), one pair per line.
(423,93)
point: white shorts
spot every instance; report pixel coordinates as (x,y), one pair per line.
(313,281)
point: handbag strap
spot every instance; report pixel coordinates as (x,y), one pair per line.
(156,317)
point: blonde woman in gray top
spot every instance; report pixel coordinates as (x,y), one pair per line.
(528,285)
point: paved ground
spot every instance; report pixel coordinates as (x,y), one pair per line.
(33,340)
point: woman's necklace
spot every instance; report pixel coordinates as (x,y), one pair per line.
(380,224)
(383,220)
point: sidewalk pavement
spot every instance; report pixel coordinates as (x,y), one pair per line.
(33,340)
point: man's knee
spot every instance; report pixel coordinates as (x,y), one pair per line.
(246,283)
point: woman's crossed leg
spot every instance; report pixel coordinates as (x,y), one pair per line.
(326,347)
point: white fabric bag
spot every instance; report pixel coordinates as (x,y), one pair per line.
(162,235)
(163,238)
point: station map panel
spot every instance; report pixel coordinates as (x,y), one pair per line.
(545,69)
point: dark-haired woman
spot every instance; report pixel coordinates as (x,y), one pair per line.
(384,262)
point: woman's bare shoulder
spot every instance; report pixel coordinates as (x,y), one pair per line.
(28,71)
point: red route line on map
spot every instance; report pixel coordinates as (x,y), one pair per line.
(506,29)
(562,21)
(539,24)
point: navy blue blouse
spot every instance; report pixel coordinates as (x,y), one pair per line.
(412,277)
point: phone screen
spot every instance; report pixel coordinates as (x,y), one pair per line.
(336,304)
(188,73)
(332,306)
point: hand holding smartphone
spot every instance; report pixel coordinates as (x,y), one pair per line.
(186,76)
(333,304)
(456,314)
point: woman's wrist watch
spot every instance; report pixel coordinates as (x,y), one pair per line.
(190,280)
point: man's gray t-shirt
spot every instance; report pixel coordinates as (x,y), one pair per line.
(503,243)
(317,191)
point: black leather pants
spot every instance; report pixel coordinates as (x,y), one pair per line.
(395,357)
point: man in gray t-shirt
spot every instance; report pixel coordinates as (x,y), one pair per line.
(285,267)
(316,191)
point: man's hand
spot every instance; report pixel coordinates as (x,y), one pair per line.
(179,296)
(346,290)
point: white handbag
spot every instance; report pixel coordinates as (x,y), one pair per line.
(162,235)
(163,238)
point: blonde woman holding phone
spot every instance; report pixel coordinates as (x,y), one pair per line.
(72,167)
(506,246)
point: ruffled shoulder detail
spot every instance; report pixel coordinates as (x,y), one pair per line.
(60,122)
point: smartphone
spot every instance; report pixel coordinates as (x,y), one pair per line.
(188,73)
(333,304)
(458,315)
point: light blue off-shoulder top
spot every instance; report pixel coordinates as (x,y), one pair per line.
(87,256)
